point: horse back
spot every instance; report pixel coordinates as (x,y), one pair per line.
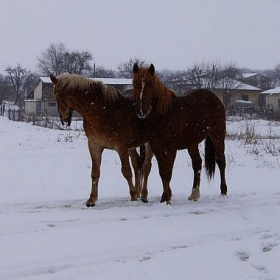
(202,100)
(192,118)
(115,125)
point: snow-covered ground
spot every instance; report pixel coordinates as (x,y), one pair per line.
(47,232)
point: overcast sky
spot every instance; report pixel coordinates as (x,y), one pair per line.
(172,34)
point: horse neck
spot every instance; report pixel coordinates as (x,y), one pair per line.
(84,101)
(164,97)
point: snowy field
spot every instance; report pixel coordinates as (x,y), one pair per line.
(47,232)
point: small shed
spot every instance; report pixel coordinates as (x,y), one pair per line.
(271,99)
(43,101)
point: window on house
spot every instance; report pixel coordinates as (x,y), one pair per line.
(51,104)
(245,97)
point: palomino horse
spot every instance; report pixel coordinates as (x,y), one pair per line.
(109,121)
(173,123)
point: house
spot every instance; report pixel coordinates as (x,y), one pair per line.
(256,80)
(43,102)
(271,100)
(238,96)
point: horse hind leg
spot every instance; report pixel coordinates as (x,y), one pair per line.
(196,165)
(127,173)
(221,162)
(219,145)
(146,172)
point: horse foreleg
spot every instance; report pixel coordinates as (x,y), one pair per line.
(196,165)
(137,167)
(165,161)
(146,172)
(95,153)
(126,171)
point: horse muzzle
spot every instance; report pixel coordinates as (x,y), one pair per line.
(142,113)
(66,119)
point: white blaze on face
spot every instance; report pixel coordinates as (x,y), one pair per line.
(142,90)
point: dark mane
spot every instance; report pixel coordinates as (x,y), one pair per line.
(79,83)
(164,96)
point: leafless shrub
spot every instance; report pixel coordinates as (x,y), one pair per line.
(256,143)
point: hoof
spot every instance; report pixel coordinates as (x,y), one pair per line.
(165,198)
(144,200)
(195,195)
(90,204)
(193,198)
(167,201)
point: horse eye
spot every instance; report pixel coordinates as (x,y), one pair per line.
(136,84)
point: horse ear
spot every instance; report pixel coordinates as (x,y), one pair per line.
(53,79)
(152,69)
(135,68)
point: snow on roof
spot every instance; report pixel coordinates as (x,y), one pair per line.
(107,81)
(46,80)
(272,91)
(241,85)
(114,81)
(236,85)
(243,101)
(248,75)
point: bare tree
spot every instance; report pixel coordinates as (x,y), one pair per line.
(276,75)
(3,88)
(20,79)
(176,80)
(205,75)
(57,59)
(101,72)
(227,80)
(195,76)
(52,60)
(6,92)
(215,76)
(125,68)
(77,62)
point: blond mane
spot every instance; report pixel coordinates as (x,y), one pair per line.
(82,84)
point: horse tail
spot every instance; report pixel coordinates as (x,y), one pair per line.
(210,158)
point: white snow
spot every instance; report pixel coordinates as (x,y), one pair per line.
(272,91)
(47,232)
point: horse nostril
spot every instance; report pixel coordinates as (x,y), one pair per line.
(141,114)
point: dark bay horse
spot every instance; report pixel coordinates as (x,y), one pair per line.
(173,123)
(109,121)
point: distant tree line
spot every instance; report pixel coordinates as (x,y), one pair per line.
(18,83)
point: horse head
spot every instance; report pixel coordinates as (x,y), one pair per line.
(143,86)
(65,112)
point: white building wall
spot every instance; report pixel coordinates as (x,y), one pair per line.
(38,91)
